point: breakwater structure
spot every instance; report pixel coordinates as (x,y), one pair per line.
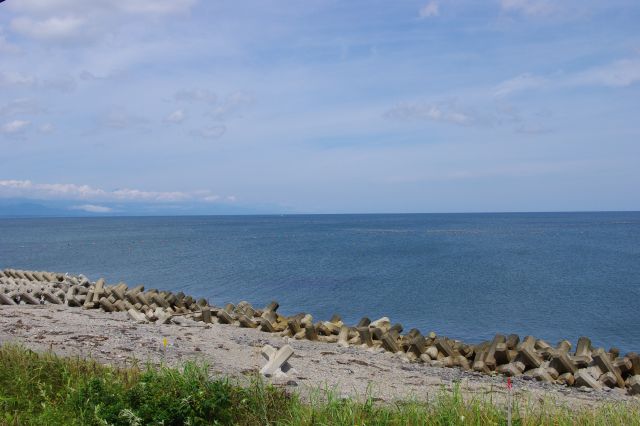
(594,368)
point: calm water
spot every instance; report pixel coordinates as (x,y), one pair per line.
(468,276)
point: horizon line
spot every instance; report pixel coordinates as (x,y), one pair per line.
(112,215)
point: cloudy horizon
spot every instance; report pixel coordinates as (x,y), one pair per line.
(322,106)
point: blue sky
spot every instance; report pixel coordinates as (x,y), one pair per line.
(322,106)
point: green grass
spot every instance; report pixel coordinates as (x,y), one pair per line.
(43,389)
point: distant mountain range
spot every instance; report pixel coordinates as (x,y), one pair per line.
(17,207)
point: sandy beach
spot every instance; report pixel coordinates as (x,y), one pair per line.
(112,338)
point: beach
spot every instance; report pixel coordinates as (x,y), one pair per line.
(112,338)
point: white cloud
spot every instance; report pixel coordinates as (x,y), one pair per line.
(93,208)
(154,7)
(232,105)
(211,132)
(20,106)
(176,117)
(196,95)
(47,128)
(16,79)
(421,111)
(5,46)
(63,83)
(532,129)
(54,28)
(83,20)
(14,127)
(119,119)
(69,191)
(13,79)
(89,76)
(479,171)
(528,7)
(518,84)
(429,10)
(485,114)
(617,74)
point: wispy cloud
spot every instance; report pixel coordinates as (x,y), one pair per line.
(21,80)
(53,28)
(5,45)
(14,127)
(46,128)
(478,171)
(520,83)
(620,73)
(232,105)
(70,191)
(16,79)
(21,106)
(196,95)
(446,113)
(93,208)
(430,10)
(211,105)
(173,66)
(64,20)
(211,132)
(176,117)
(528,7)
(121,119)
(617,74)
(156,7)
(486,112)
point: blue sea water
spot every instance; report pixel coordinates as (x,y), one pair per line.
(467,276)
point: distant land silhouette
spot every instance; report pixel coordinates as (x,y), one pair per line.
(22,207)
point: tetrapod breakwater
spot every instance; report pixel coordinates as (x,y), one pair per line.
(529,357)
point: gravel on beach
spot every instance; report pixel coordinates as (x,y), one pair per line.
(112,338)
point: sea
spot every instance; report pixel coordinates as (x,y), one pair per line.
(466,276)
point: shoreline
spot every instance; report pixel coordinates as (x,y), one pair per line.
(229,351)
(373,353)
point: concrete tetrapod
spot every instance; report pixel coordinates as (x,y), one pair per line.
(268,352)
(277,360)
(535,358)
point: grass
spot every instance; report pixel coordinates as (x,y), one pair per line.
(43,389)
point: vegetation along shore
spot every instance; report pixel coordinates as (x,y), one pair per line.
(342,366)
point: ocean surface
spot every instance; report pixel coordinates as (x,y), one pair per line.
(466,276)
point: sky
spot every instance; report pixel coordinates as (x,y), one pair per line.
(321,106)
